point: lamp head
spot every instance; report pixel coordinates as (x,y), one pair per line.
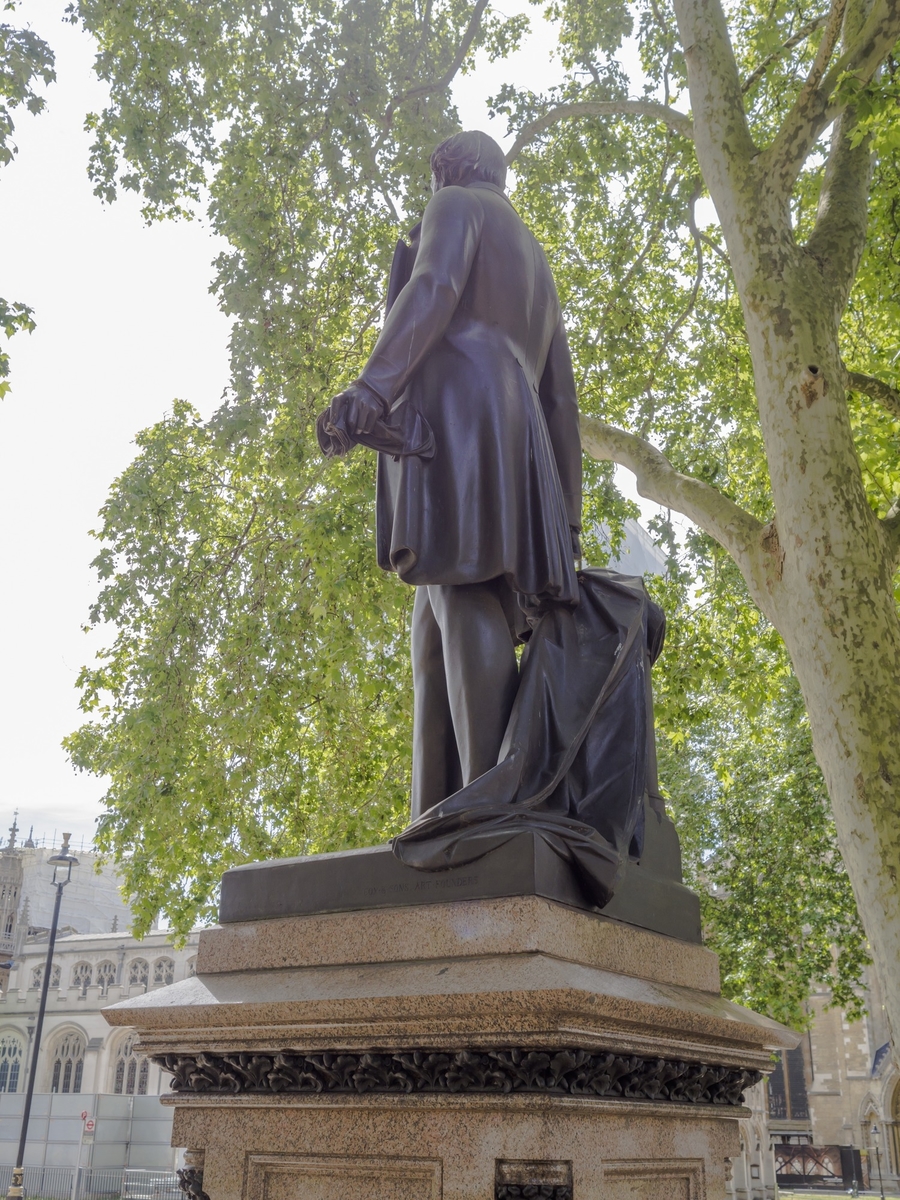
(63,862)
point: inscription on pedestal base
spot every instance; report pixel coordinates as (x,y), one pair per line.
(535,1179)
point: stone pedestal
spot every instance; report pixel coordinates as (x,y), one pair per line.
(464,1050)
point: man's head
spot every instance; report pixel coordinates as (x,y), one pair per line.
(465,157)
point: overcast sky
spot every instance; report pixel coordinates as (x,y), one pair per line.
(125,323)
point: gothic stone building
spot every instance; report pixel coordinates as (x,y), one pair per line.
(838,1089)
(95,963)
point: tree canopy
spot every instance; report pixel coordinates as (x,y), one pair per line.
(26,62)
(255,698)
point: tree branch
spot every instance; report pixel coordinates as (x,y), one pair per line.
(438,85)
(652,234)
(678,122)
(698,274)
(808,108)
(689,306)
(800,36)
(725,148)
(657,480)
(804,110)
(815,108)
(839,234)
(875,389)
(716,248)
(660,20)
(834,22)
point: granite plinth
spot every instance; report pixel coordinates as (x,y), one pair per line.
(651,896)
(521,972)
(460,1050)
(404,1148)
(515,925)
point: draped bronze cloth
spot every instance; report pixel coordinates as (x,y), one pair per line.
(573,765)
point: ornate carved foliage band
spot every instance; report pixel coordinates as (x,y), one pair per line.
(554,1072)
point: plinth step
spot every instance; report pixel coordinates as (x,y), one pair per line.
(649,896)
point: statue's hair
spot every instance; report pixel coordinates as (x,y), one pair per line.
(467,156)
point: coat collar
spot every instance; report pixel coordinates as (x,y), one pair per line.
(490,187)
(413,235)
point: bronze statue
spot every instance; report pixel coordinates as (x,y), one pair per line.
(474,340)
(470,398)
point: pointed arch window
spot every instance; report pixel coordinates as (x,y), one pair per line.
(192,966)
(82,976)
(11,1050)
(132,1070)
(37,976)
(138,973)
(894,1125)
(787,1087)
(68,1063)
(163,972)
(106,976)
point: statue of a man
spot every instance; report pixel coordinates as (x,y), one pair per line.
(486,528)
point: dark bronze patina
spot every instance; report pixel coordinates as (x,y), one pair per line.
(469,397)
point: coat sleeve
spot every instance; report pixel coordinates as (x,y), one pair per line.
(451,229)
(560,405)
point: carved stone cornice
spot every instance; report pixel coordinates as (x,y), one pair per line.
(568,1072)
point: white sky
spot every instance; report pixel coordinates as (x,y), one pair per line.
(125,323)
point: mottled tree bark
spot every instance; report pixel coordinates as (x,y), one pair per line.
(822,570)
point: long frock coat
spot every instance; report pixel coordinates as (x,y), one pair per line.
(475,341)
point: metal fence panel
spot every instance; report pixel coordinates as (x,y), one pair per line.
(43,1183)
(151,1185)
(110,1183)
(102,1184)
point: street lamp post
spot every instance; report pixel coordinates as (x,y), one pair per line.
(62,873)
(875,1135)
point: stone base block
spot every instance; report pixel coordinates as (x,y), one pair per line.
(651,895)
(458,1148)
(467,1050)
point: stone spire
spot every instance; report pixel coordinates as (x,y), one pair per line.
(12,872)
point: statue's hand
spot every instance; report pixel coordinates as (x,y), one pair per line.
(360,408)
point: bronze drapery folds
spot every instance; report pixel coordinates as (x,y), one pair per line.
(574,763)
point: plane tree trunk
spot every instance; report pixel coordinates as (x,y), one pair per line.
(822,569)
